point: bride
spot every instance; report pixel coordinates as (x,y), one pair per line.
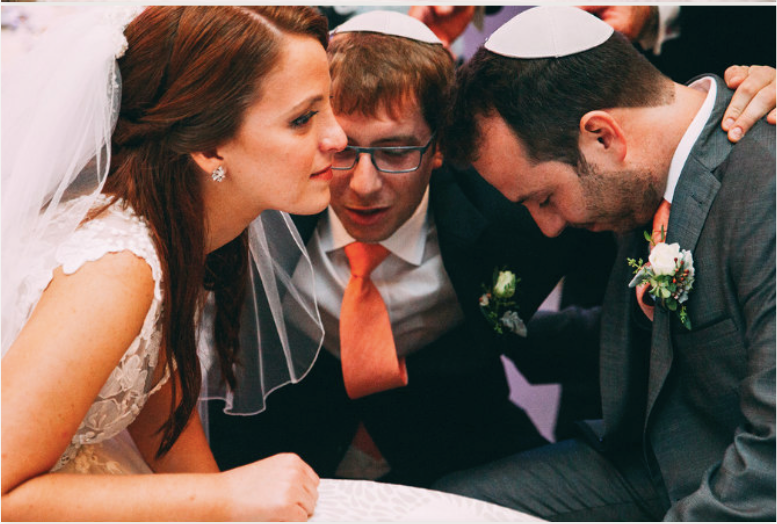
(135,164)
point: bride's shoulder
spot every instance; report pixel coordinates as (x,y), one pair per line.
(96,285)
(115,230)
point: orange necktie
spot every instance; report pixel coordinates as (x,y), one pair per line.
(367,351)
(660,222)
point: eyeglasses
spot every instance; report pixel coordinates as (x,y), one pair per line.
(390,159)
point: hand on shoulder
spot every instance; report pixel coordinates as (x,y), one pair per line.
(754,97)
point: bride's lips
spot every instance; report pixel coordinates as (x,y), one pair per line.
(367,216)
(325,174)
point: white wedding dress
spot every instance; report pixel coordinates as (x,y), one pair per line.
(102,443)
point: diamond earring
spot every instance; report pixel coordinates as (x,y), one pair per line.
(219,174)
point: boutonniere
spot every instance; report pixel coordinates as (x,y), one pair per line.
(669,273)
(496,303)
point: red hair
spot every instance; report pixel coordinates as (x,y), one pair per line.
(373,72)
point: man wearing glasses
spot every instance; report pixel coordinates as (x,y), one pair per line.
(446,232)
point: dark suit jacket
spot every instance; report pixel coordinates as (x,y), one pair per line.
(455,412)
(706,420)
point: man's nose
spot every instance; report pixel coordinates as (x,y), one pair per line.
(551,224)
(365,178)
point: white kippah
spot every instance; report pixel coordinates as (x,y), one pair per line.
(389,23)
(549,31)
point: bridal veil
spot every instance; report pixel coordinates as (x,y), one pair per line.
(60,104)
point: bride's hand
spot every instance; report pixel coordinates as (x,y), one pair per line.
(278,488)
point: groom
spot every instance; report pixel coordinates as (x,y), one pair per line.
(688,388)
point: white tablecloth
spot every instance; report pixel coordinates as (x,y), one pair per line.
(360,500)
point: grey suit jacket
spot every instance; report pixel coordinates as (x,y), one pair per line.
(706,419)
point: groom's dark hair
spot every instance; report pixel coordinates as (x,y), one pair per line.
(543,100)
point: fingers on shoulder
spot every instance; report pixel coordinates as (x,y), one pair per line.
(759,79)
(753,99)
(734,75)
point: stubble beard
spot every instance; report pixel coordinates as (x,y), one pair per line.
(623,200)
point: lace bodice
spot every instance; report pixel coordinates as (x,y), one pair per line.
(132,382)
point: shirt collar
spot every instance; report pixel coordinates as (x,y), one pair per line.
(408,242)
(688,140)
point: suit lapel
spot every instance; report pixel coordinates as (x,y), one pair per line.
(693,198)
(698,186)
(306,224)
(458,221)
(621,362)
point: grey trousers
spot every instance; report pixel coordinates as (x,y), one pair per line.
(567,481)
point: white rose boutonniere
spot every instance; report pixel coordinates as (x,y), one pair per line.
(496,301)
(505,284)
(670,274)
(663,258)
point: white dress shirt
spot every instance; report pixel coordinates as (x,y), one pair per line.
(419,296)
(680,157)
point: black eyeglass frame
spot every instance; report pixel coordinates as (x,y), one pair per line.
(369,150)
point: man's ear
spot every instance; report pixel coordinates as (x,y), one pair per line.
(438,158)
(207,160)
(602,139)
